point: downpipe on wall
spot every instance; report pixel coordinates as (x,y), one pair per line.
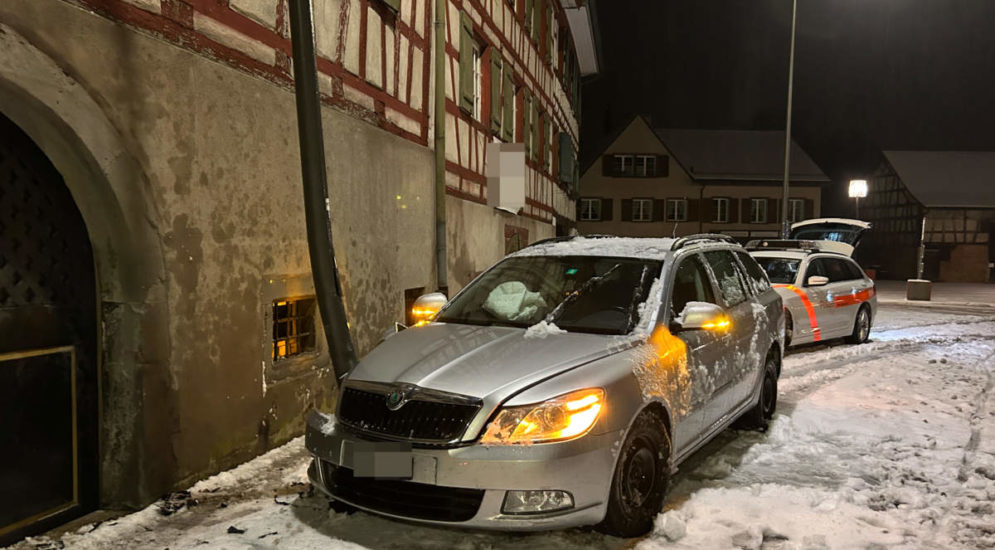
(440,146)
(317,212)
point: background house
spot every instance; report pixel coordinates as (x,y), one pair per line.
(946,198)
(661,182)
(153,259)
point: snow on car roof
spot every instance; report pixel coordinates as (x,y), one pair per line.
(624,247)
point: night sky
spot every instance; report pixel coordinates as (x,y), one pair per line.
(870,75)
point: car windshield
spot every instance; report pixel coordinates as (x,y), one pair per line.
(577,293)
(780,270)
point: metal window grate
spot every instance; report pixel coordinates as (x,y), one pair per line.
(293,327)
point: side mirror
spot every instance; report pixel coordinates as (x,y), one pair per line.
(702,316)
(817,280)
(427,306)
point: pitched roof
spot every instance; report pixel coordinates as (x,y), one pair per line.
(746,155)
(947,179)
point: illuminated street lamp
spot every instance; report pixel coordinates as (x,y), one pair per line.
(858,190)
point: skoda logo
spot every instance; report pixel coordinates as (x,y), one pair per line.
(395,399)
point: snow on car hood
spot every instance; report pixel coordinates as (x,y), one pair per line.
(479,361)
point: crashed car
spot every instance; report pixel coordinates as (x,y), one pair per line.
(561,387)
(826,294)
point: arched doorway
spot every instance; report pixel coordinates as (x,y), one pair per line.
(48,345)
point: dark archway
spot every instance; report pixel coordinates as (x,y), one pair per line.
(48,345)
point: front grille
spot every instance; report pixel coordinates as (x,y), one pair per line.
(416,420)
(403,498)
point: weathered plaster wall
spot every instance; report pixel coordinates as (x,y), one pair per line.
(216,156)
(475,238)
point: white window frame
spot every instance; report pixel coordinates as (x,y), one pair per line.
(720,215)
(642,164)
(793,205)
(628,162)
(642,210)
(478,79)
(680,212)
(757,207)
(587,210)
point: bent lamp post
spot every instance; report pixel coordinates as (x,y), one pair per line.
(317,213)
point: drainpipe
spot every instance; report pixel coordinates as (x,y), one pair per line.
(440,145)
(316,208)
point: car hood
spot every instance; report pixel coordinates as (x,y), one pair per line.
(491,363)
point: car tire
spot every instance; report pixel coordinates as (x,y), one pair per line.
(789,328)
(758,417)
(641,478)
(861,326)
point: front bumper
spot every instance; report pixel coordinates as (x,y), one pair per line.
(583,467)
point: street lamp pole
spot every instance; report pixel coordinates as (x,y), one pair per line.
(785,224)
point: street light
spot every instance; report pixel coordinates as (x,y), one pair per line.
(785,224)
(858,190)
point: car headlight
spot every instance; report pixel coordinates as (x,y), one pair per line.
(565,417)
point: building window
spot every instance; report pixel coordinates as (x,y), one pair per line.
(590,210)
(758,210)
(646,165)
(642,210)
(796,210)
(624,164)
(293,327)
(477,80)
(721,208)
(677,210)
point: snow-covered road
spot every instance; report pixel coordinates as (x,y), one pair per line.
(890,444)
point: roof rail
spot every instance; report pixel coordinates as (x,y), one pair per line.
(702,238)
(563,239)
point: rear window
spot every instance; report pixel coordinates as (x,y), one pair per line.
(780,270)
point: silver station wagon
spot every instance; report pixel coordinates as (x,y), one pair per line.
(561,387)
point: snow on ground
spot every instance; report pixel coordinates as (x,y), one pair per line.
(890,444)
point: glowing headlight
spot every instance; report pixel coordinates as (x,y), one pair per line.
(561,418)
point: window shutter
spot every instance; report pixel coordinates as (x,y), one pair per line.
(537,11)
(809,209)
(550,25)
(606,209)
(579,208)
(534,128)
(743,210)
(393,4)
(495,90)
(527,123)
(708,209)
(529,9)
(773,210)
(626,210)
(662,166)
(565,152)
(508,126)
(608,165)
(692,210)
(659,210)
(466,62)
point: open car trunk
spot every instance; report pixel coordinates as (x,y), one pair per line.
(839,234)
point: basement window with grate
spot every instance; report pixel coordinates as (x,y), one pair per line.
(293,327)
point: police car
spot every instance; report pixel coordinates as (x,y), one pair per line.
(826,295)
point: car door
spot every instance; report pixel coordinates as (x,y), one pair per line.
(846,292)
(735,298)
(766,308)
(820,298)
(704,350)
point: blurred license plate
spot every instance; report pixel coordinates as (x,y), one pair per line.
(382,460)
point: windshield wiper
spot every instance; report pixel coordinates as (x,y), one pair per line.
(591,283)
